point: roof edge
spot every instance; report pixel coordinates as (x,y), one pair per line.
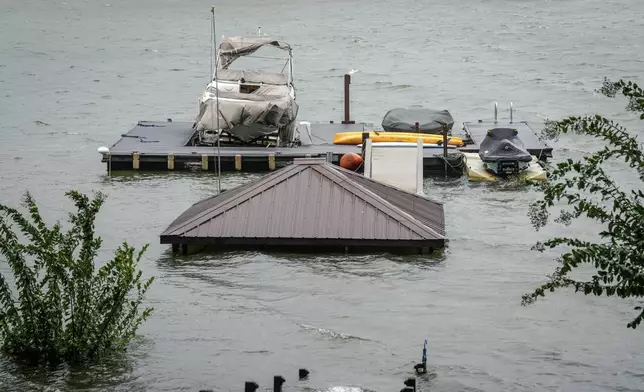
(279,241)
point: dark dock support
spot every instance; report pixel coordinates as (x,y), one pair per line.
(445,147)
(365,136)
(410,385)
(347,115)
(277,383)
(250,386)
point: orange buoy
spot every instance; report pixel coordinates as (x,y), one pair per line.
(351,161)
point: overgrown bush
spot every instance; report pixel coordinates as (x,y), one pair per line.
(61,307)
(618,258)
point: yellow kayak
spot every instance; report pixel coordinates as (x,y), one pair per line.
(355,138)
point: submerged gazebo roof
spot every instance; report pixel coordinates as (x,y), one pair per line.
(312,203)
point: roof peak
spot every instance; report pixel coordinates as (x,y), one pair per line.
(309,161)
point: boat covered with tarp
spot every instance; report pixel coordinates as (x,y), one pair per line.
(421,120)
(503,152)
(247,106)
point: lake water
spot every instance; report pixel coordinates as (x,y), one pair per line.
(74,75)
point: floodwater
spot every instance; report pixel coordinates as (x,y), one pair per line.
(74,75)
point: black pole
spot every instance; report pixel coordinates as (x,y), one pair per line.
(347,115)
(365,136)
(277,383)
(250,386)
(445,147)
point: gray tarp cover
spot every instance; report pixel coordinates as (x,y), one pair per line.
(259,113)
(429,120)
(252,76)
(503,144)
(231,48)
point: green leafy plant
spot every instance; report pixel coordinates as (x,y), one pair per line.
(618,257)
(61,307)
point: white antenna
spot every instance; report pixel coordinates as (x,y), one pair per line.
(214,46)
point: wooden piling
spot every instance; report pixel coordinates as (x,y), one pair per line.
(170,161)
(135,160)
(347,115)
(271,161)
(204,162)
(445,147)
(238,162)
(365,136)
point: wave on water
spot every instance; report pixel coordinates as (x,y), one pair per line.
(334,334)
(337,389)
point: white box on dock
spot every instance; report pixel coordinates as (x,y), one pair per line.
(400,166)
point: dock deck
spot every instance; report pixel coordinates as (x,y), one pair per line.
(166,145)
(158,145)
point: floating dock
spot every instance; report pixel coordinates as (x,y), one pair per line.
(167,145)
(475,133)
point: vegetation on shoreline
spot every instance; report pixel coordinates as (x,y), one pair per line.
(61,307)
(618,259)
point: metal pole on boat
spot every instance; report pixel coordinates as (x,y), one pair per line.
(214,45)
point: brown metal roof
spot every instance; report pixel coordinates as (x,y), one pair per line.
(312,202)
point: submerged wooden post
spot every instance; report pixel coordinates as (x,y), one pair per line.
(367,157)
(250,386)
(170,161)
(445,147)
(204,162)
(365,136)
(238,162)
(277,383)
(135,160)
(271,161)
(420,156)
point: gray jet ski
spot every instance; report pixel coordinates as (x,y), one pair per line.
(503,152)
